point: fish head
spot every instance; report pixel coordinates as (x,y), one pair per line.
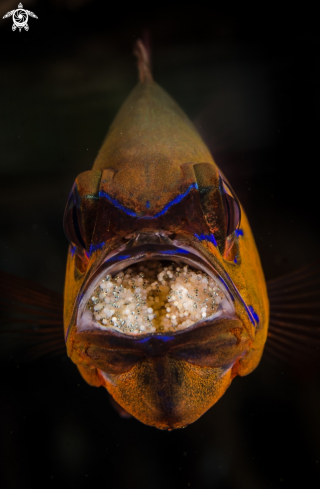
(164,379)
(155,194)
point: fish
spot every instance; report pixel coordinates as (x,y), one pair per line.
(165,300)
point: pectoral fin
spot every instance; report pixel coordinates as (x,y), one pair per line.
(31,320)
(294,328)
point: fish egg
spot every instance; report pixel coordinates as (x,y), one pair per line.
(179,297)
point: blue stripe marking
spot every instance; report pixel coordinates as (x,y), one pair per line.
(239,232)
(118,258)
(174,252)
(254,314)
(117,204)
(207,237)
(95,247)
(249,313)
(162,338)
(176,200)
(72,250)
(145,340)
(124,257)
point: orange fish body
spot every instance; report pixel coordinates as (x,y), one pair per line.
(156,192)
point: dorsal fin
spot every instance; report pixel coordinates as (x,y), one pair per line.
(143,58)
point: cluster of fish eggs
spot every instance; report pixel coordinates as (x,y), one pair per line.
(151,297)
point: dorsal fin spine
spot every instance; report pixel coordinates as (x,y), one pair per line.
(143,58)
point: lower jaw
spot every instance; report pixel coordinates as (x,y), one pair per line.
(178,405)
(142,255)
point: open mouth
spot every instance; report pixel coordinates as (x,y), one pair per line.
(151,289)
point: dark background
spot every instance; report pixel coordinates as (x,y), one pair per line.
(249,79)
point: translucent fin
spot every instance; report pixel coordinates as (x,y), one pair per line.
(143,57)
(294,328)
(31,320)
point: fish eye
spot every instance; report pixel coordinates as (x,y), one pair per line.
(72,221)
(232,212)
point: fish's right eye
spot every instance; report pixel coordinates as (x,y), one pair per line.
(72,222)
(231,206)
(232,211)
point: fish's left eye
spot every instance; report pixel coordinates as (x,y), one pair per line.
(232,212)
(72,223)
(232,207)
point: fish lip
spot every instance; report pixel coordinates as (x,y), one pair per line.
(159,334)
(164,249)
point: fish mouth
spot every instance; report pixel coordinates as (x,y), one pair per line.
(143,251)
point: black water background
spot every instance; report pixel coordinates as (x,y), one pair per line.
(250,81)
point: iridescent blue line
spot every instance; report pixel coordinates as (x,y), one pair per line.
(176,200)
(254,318)
(162,338)
(174,252)
(117,204)
(207,237)
(118,258)
(254,314)
(95,247)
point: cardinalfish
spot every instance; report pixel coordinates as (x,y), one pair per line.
(165,300)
